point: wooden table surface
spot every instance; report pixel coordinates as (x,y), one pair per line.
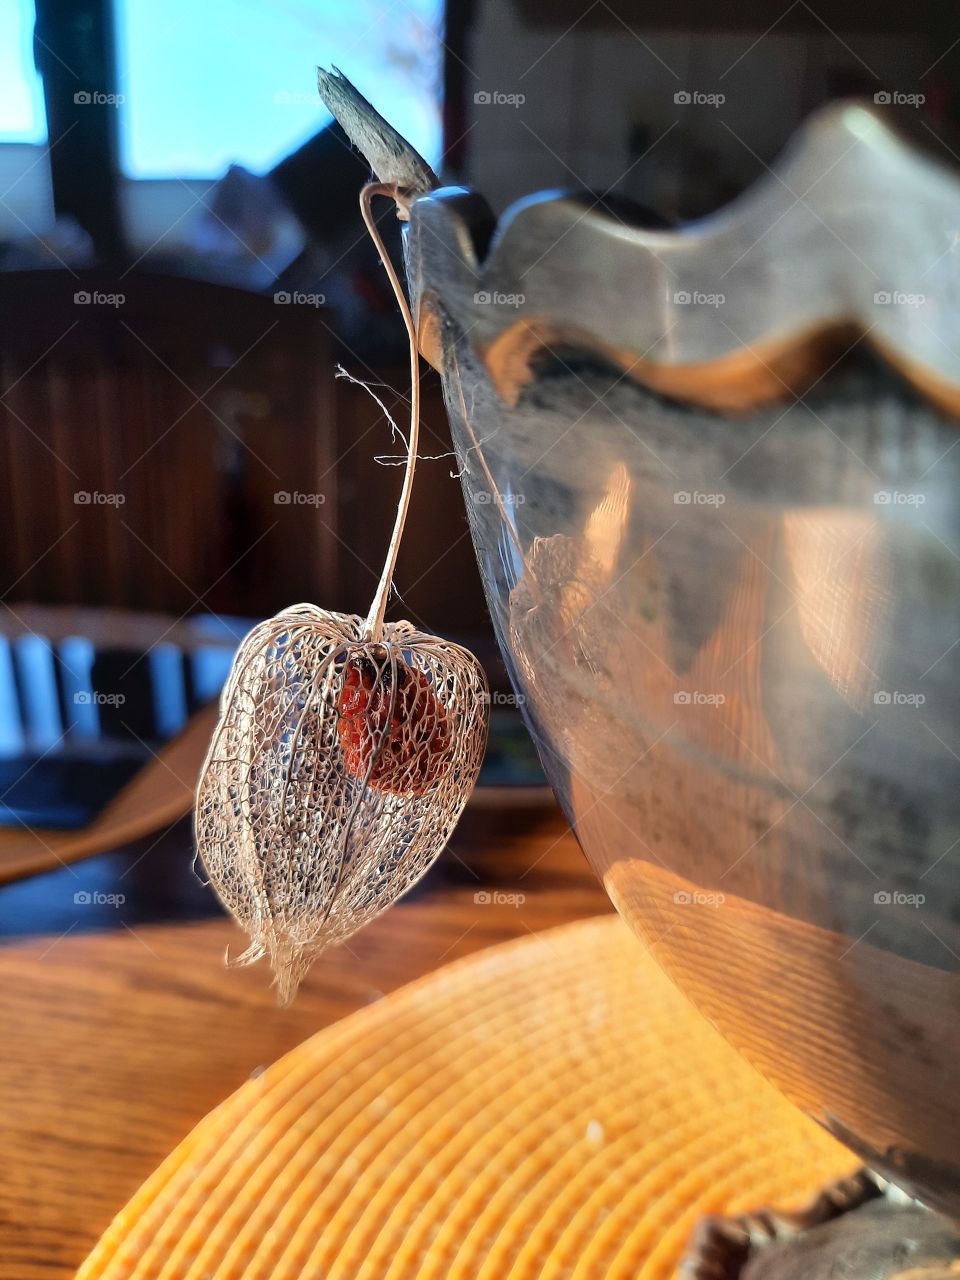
(120,1031)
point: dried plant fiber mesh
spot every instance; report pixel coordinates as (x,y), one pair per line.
(335,776)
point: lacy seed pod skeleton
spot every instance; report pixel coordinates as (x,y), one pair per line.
(345,752)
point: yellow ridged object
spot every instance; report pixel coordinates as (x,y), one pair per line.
(549,1108)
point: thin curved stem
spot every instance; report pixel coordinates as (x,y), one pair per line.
(374,624)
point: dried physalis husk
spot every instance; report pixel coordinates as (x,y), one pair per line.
(336,773)
(345,751)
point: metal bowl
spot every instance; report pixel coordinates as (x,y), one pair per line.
(712,477)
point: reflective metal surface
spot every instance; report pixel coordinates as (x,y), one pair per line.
(737,636)
(742,670)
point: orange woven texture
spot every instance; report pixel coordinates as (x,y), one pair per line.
(549,1108)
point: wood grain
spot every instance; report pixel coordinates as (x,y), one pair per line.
(116,1043)
(243,470)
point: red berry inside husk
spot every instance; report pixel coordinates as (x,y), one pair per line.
(415,748)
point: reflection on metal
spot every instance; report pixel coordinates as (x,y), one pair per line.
(857,1226)
(743,308)
(841,570)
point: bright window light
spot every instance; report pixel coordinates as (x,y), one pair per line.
(208,83)
(22,114)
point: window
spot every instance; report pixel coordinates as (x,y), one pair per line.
(205,85)
(22,115)
(26,194)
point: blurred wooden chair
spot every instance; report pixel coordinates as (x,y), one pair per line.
(105,718)
(173,447)
(149,432)
(154,432)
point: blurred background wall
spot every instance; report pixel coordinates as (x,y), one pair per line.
(680,107)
